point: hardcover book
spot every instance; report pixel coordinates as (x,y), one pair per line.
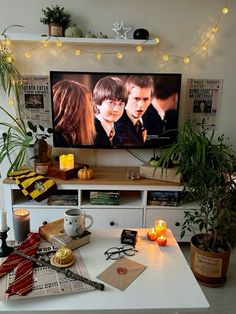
(54,233)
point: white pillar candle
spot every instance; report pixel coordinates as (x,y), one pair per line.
(3,220)
(21,224)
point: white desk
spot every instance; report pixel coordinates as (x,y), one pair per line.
(167,285)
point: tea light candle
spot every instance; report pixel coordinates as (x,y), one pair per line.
(21,224)
(3,221)
(160,227)
(66,162)
(162,240)
(152,235)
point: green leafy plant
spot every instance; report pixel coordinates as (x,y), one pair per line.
(16,134)
(207,166)
(56,14)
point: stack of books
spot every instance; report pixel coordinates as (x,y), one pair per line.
(164,198)
(63,199)
(54,233)
(104,197)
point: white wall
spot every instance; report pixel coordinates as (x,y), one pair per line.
(181,25)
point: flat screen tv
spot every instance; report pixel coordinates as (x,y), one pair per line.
(114,110)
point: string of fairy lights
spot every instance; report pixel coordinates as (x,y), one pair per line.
(51,41)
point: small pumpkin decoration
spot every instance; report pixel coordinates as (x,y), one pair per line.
(85,173)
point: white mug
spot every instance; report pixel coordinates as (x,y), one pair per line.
(74,222)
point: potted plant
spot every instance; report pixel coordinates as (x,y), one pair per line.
(57,20)
(17,135)
(207,166)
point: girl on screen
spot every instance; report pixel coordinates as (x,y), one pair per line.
(74,114)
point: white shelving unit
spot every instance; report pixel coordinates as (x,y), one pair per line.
(133,210)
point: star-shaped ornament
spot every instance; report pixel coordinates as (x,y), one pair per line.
(121,30)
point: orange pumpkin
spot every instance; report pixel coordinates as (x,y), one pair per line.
(85,173)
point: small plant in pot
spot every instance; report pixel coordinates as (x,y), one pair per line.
(40,145)
(207,165)
(57,19)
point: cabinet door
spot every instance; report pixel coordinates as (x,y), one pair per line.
(173,217)
(116,218)
(38,217)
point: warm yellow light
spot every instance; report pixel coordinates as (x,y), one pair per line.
(9,59)
(225,10)
(204,47)
(11,102)
(7,42)
(46,43)
(186,60)
(77,52)
(165,57)
(215,29)
(59,43)
(119,55)
(157,40)
(139,48)
(28,54)
(99,56)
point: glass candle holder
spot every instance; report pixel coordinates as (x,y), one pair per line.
(160,227)
(21,224)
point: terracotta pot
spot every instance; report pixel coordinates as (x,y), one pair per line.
(209,268)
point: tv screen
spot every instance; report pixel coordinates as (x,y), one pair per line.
(114,110)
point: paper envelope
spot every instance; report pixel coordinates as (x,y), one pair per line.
(121,273)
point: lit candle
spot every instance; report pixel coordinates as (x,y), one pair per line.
(3,221)
(21,224)
(152,235)
(66,162)
(160,227)
(162,240)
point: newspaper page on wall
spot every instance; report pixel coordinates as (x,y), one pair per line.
(203,101)
(35,99)
(47,281)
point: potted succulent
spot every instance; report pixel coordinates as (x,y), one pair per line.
(57,20)
(207,166)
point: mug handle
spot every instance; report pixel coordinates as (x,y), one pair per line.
(91,221)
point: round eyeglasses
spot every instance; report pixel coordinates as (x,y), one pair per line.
(115,252)
(115,103)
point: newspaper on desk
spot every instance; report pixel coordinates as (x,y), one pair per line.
(47,281)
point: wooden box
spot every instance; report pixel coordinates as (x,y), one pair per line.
(149,172)
(56,172)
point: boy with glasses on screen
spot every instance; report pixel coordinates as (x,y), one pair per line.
(110,96)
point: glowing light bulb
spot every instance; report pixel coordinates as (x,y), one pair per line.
(9,59)
(139,48)
(11,102)
(225,10)
(28,54)
(186,60)
(46,43)
(59,43)
(157,40)
(165,57)
(215,29)
(77,52)
(99,56)
(119,55)
(204,47)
